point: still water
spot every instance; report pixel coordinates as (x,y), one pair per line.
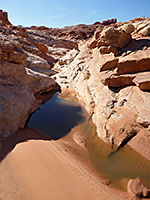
(61,118)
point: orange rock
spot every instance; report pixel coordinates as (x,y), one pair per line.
(114,37)
(4,18)
(134,62)
(107,49)
(93,44)
(142,80)
(43,48)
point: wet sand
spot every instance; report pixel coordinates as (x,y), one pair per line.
(33,167)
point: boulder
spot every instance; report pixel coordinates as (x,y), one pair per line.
(11,51)
(115,37)
(128,28)
(136,188)
(50,59)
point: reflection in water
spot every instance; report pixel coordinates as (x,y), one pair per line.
(58,117)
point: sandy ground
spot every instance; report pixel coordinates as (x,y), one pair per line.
(32,167)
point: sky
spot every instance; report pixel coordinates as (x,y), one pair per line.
(60,13)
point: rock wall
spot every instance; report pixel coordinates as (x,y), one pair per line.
(25,70)
(114,86)
(110,73)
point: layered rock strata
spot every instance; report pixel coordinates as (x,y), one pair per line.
(114,86)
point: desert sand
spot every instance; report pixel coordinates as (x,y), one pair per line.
(33,167)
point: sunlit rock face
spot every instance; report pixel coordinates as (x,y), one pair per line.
(21,83)
(107,64)
(114,85)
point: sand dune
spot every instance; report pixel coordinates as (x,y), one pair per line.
(42,169)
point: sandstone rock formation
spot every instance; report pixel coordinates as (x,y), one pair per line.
(108,70)
(113,87)
(4,18)
(21,93)
(136,188)
(109,21)
(22,79)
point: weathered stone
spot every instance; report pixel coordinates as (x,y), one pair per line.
(93,44)
(4,18)
(136,188)
(100,43)
(108,64)
(128,28)
(69,57)
(107,49)
(115,37)
(118,81)
(66,44)
(145,31)
(17,56)
(142,80)
(34,61)
(134,62)
(141,143)
(42,47)
(109,21)
(18,89)
(97,32)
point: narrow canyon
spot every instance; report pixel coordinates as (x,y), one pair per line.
(75,111)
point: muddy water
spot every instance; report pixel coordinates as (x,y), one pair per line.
(60,118)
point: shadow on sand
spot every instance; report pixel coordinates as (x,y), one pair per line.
(22,135)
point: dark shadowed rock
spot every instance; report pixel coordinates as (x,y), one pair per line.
(109,21)
(4,18)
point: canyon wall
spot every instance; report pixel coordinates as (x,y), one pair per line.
(107,64)
(111,75)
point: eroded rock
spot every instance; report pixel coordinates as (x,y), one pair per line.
(134,62)
(142,80)
(136,188)
(128,28)
(115,37)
